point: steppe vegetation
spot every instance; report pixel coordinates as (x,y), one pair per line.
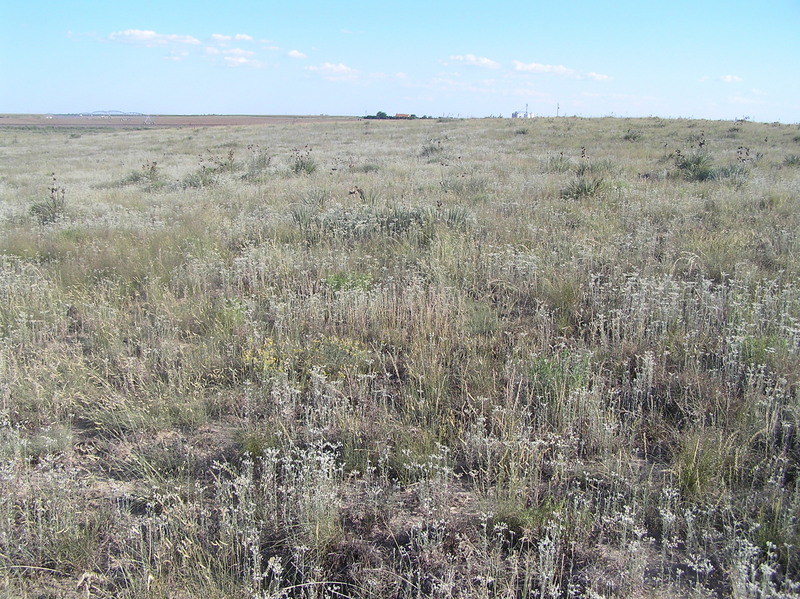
(396,359)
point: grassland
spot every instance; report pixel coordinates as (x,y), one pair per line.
(478,358)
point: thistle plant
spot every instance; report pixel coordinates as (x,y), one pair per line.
(53,208)
(303,162)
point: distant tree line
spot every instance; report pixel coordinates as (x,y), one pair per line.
(380,115)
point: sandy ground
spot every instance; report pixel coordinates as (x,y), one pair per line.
(155,120)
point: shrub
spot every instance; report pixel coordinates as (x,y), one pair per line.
(593,167)
(203,177)
(696,166)
(791,160)
(343,281)
(366,168)
(432,149)
(733,173)
(211,167)
(582,187)
(225,163)
(632,135)
(557,164)
(149,176)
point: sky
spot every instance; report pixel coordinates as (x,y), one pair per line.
(708,59)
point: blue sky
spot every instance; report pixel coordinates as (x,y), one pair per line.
(700,58)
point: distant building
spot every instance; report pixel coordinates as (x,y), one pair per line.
(400,115)
(522,115)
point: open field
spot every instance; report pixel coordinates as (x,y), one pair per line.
(479,358)
(154,121)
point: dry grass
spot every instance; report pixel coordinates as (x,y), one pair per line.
(400,359)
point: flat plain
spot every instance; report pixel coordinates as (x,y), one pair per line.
(307,357)
(144,121)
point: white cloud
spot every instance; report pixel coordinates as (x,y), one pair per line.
(151,38)
(477,61)
(535,67)
(175,45)
(243,61)
(626,97)
(334,72)
(450,85)
(222,39)
(530,93)
(296,54)
(731,79)
(557,69)
(598,77)
(177,56)
(328,67)
(238,52)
